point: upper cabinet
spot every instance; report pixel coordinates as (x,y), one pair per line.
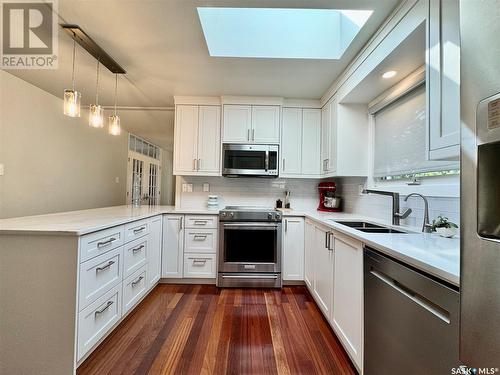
(251,124)
(197,140)
(300,143)
(443,80)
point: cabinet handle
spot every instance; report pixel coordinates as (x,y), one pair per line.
(194,164)
(248,134)
(327,162)
(283,164)
(180,223)
(199,165)
(200,237)
(253,134)
(200,222)
(103,268)
(330,247)
(139,230)
(326,240)
(139,248)
(108,305)
(106,243)
(134,283)
(286,225)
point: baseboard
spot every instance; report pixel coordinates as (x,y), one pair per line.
(188,281)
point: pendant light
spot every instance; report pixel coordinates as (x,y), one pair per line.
(72,98)
(96,118)
(114,120)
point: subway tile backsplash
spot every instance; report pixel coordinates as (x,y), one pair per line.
(304,196)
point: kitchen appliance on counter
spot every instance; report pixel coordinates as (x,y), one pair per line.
(411,319)
(249,247)
(250,160)
(328,200)
(480,181)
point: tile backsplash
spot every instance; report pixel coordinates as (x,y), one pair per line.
(304,196)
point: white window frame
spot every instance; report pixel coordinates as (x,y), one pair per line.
(438,186)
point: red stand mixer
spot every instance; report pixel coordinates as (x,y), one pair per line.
(328,201)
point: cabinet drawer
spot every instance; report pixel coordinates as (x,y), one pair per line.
(134,255)
(203,221)
(199,265)
(96,320)
(200,241)
(134,287)
(136,230)
(94,244)
(98,275)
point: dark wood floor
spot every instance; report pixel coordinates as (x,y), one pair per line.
(200,329)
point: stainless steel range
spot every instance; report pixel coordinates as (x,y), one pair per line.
(249,247)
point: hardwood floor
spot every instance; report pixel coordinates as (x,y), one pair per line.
(200,329)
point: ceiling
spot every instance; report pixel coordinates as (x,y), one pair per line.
(161,45)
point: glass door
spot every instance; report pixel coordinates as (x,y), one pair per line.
(143,180)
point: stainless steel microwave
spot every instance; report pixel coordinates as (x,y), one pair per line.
(250,160)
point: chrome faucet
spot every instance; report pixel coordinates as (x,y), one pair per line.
(396,215)
(426,226)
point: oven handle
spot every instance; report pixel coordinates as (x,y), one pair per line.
(250,225)
(267,161)
(249,277)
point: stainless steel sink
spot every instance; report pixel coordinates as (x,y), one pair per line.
(363,226)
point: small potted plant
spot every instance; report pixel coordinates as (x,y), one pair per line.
(444,227)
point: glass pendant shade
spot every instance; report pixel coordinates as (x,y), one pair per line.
(96,118)
(114,125)
(72,103)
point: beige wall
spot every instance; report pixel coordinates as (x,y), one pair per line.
(52,162)
(167,179)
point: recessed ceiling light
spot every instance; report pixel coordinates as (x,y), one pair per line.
(389,74)
(280,32)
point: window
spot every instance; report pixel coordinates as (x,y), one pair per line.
(140,146)
(400,140)
(280,33)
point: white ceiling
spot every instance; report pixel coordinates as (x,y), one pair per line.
(161,45)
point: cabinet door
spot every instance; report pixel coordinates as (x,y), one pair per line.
(443,75)
(173,246)
(237,123)
(154,251)
(186,138)
(311,142)
(348,295)
(309,251)
(291,142)
(209,140)
(323,271)
(325,138)
(265,124)
(293,249)
(331,166)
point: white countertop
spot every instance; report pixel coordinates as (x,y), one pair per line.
(428,252)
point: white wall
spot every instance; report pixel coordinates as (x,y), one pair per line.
(167,179)
(52,162)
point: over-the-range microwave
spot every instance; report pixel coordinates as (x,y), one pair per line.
(250,160)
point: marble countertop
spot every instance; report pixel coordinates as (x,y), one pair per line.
(430,253)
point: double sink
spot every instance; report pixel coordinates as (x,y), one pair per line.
(363,226)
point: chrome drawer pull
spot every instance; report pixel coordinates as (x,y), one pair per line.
(200,222)
(138,230)
(103,268)
(274,277)
(106,243)
(134,283)
(139,248)
(198,237)
(98,312)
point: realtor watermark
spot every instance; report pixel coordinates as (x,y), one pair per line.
(464,370)
(28,37)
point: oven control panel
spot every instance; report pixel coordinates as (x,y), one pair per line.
(262,216)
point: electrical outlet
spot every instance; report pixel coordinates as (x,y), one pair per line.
(184,188)
(206,187)
(117,180)
(2,169)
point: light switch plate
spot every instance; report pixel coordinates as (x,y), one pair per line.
(206,187)
(117,180)
(2,169)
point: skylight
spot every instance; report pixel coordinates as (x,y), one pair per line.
(280,33)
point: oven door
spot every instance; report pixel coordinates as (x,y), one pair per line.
(250,160)
(250,247)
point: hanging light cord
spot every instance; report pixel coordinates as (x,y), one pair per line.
(74,54)
(116,90)
(97,85)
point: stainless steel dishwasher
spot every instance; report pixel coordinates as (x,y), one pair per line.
(411,320)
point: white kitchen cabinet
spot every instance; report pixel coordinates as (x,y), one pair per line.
(309,251)
(173,246)
(251,124)
(311,142)
(266,124)
(237,123)
(293,249)
(323,270)
(347,312)
(197,140)
(328,136)
(443,80)
(154,251)
(291,143)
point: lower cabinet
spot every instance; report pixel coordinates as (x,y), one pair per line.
(293,249)
(310,240)
(173,246)
(154,251)
(134,287)
(323,269)
(200,265)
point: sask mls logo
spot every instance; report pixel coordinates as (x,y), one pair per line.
(29,34)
